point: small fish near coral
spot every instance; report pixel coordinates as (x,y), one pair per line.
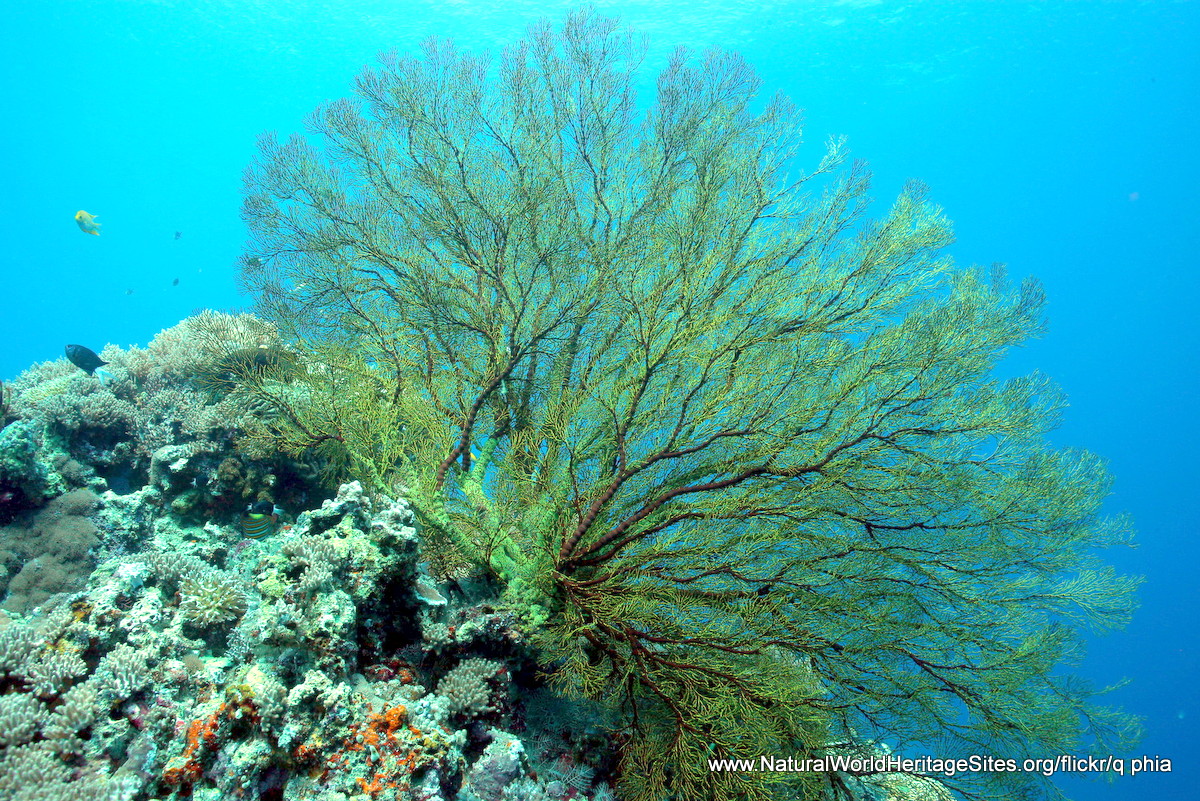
(260,520)
(87,223)
(87,360)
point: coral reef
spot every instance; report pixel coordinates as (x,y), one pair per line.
(271,674)
(467,688)
(24,467)
(165,420)
(211,598)
(50,553)
(148,649)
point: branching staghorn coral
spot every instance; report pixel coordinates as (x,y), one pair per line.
(50,705)
(169,566)
(55,670)
(122,672)
(18,647)
(467,687)
(211,598)
(79,707)
(21,716)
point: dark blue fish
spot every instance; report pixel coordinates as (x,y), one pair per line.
(84,358)
(178,234)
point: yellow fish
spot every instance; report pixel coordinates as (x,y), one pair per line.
(87,223)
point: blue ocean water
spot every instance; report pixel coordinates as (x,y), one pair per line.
(1060,137)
